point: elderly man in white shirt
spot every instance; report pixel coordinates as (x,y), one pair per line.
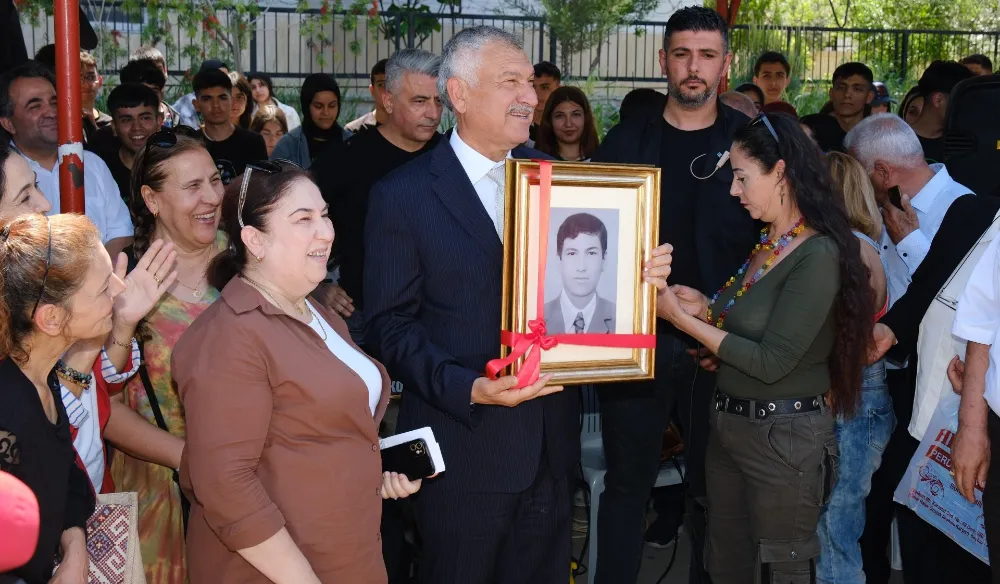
(891,153)
(28,112)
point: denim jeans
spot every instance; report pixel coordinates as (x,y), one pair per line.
(862,440)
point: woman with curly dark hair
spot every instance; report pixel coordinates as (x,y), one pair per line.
(568,130)
(789,332)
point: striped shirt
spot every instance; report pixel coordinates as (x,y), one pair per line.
(75,410)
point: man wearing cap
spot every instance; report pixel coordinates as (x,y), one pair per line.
(185,105)
(882,104)
(935,86)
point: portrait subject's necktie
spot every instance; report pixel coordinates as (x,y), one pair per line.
(578,324)
(498,174)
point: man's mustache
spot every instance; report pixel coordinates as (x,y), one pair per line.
(519,109)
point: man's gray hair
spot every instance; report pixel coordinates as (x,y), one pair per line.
(884,137)
(462,56)
(409,61)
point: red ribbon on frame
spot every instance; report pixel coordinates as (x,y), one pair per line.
(537,338)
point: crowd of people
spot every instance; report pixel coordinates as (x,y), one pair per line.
(219,333)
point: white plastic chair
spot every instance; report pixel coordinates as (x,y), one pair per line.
(595,467)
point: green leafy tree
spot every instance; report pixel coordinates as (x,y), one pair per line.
(582,25)
(218,29)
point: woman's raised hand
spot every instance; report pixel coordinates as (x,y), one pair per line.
(147,283)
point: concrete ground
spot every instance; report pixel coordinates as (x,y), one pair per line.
(655,561)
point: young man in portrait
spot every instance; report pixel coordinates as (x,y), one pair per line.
(582,247)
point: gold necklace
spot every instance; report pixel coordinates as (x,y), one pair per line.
(263,291)
(196,293)
(319,321)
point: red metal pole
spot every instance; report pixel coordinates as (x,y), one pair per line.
(67,14)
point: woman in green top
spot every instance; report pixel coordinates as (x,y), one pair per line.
(789,332)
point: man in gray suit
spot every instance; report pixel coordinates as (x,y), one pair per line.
(582,246)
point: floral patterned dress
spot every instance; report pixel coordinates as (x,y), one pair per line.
(161,524)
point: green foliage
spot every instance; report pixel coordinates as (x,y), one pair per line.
(399,20)
(219,29)
(581,25)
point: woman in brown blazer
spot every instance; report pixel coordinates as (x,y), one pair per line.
(282,462)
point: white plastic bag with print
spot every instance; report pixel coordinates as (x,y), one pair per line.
(929,490)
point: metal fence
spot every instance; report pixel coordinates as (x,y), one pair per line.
(627,56)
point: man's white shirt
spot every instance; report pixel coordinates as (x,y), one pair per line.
(930,204)
(569,311)
(477,167)
(104,204)
(977,317)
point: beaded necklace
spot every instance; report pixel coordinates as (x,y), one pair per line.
(765,245)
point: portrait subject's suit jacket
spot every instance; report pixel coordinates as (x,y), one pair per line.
(433,288)
(603,321)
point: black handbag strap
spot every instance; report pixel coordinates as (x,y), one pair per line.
(154,403)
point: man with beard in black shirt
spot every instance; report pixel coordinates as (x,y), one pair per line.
(347,175)
(712,235)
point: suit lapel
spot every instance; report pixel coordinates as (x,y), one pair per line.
(603,319)
(452,186)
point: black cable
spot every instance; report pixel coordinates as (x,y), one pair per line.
(673,556)
(580,567)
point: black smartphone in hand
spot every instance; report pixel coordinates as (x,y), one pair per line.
(896,197)
(412,459)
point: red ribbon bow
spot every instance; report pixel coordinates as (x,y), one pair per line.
(537,338)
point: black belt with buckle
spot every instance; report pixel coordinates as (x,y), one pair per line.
(759,409)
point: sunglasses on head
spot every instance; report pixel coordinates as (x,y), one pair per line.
(268,166)
(762,118)
(167,138)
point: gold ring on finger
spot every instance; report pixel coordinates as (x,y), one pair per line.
(158,281)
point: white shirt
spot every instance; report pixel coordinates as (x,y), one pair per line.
(185,107)
(930,205)
(83,415)
(104,204)
(569,312)
(356,360)
(476,167)
(977,318)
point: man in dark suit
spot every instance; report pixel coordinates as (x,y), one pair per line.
(432,278)
(683,134)
(582,247)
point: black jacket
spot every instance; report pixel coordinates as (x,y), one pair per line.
(725,231)
(964,223)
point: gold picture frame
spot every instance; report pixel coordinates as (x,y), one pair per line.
(623,200)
